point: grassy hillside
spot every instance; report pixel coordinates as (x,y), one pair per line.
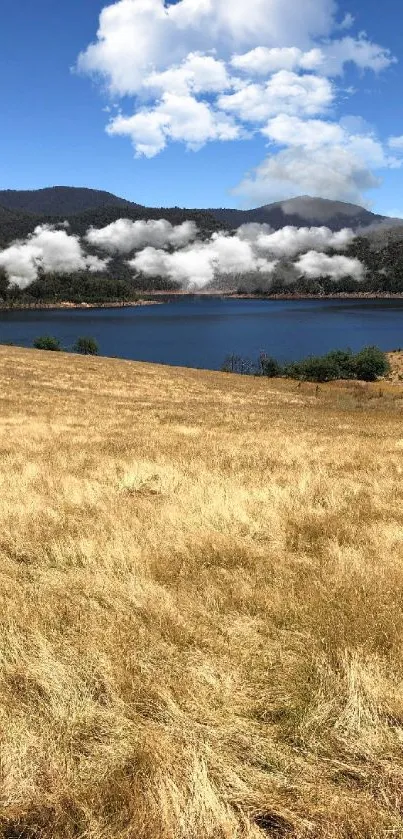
(200,603)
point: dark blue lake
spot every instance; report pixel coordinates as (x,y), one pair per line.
(200,332)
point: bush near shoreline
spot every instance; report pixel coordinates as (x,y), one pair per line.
(84,345)
(368,365)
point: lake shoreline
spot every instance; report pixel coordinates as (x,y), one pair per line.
(66,304)
(227,295)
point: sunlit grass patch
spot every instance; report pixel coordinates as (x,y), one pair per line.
(201,604)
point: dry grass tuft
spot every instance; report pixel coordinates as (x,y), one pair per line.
(201,604)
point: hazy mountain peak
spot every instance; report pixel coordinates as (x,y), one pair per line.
(312,208)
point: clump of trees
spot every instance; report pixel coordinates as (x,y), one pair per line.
(369,364)
(47,342)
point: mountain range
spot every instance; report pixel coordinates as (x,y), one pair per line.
(66,202)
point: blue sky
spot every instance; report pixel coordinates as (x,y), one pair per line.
(53,120)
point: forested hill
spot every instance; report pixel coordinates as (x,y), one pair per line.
(304,211)
(65,201)
(17,225)
(378,245)
(60,200)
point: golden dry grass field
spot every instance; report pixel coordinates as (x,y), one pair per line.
(201,604)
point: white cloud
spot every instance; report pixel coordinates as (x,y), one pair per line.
(124,236)
(252,231)
(288,241)
(198,73)
(396,143)
(136,37)
(49,250)
(360,51)
(190,267)
(285,92)
(320,158)
(180,118)
(208,70)
(20,264)
(200,263)
(335,172)
(315,265)
(139,39)
(347,21)
(262,61)
(329,58)
(371,152)
(286,130)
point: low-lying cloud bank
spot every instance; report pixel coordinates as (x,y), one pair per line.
(180,253)
(49,250)
(254,249)
(124,236)
(315,265)
(199,264)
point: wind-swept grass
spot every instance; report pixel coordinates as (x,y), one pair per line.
(201,604)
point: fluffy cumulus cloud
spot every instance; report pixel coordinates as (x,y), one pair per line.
(289,241)
(262,61)
(197,73)
(138,37)
(288,130)
(315,265)
(49,250)
(124,236)
(319,157)
(359,51)
(199,264)
(330,59)
(329,171)
(176,117)
(285,92)
(202,71)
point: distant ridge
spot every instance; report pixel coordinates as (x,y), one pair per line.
(305,211)
(67,201)
(378,245)
(60,200)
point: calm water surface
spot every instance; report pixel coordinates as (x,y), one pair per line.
(200,332)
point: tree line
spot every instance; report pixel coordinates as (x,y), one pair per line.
(368,365)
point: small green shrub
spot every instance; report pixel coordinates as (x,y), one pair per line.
(370,364)
(47,342)
(86,346)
